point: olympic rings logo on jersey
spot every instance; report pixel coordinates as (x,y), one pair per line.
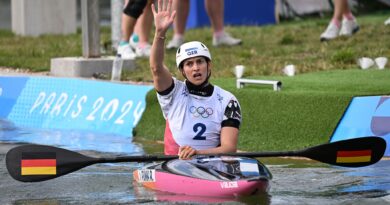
(201,111)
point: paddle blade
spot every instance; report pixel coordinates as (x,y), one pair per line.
(356,152)
(33,163)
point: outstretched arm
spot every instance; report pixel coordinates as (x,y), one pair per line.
(163,19)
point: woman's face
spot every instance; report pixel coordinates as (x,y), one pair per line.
(196,69)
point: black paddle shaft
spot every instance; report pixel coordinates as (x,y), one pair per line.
(33,163)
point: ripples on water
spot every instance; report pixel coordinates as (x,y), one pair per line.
(311,183)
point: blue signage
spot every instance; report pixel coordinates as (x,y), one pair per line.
(72,104)
(10,89)
(366,116)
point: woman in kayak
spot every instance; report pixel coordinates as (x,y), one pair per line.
(201,118)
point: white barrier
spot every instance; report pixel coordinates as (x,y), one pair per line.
(276,85)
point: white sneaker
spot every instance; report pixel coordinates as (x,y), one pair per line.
(126,52)
(349,27)
(387,22)
(143,51)
(134,40)
(226,39)
(175,42)
(331,32)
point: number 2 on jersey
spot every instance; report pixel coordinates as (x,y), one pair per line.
(199,129)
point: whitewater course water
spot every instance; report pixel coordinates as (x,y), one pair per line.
(295,181)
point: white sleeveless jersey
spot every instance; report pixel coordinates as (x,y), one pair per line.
(194,120)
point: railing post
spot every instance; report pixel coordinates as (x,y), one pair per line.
(90,28)
(116,20)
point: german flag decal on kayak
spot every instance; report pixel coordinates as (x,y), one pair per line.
(38,163)
(353,156)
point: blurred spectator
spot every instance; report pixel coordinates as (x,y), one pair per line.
(343,23)
(132,11)
(140,38)
(214,9)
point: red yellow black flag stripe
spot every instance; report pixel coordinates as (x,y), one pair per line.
(38,163)
(356,156)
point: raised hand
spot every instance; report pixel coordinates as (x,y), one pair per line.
(164,16)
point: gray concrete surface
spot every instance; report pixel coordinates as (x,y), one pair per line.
(85,67)
(36,17)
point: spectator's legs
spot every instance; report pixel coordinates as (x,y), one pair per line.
(349,24)
(142,29)
(215,10)
(127,28)
(182,8)
(340,8)
(342,23)
(144,25)
(333,29)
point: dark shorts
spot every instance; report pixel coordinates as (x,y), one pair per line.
(134,8)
